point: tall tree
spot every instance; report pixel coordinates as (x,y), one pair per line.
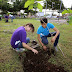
(54,4)
(71,7)
(22,4)
(18,5)
(4,6)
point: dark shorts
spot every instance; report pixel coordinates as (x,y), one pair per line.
(45,40)
(19,44)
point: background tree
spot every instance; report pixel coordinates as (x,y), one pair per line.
(69,18)
(16,6)
(4,6)
(19,5)
(71,7)
(22,3)
(54,4)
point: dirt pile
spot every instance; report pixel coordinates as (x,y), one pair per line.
(39,63)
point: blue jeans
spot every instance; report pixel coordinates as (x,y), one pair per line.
(20,44)
(11,19)
(6,21)
(45,41)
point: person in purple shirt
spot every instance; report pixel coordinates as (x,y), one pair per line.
(19,38)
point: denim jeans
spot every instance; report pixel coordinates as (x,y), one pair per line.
(45,40)
(20,44)
(6,21)
(11,19)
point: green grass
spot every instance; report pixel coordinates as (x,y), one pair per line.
(70,20)
(9,61)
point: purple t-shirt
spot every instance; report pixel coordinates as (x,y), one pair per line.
(18,35)
(6,17)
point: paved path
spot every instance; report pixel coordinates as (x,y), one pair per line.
(62,21)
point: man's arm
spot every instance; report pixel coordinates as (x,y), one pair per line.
(38,37)
(57,33)
(28,47)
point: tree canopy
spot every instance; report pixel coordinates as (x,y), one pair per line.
(67,11)
(29,5)
(4,5)
(54,4)
(17,5)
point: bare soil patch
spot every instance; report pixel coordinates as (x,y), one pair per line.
(39,62)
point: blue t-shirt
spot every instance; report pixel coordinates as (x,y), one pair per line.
(45,31)
(18,35)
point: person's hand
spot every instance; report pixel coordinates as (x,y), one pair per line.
(35,51)
(44,47)
(53,39)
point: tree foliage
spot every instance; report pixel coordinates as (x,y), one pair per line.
(17,5)
(71,7)
(54,4)
(33,4)
(4,5)
(67,11)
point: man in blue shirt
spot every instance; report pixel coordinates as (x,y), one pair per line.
(43,33)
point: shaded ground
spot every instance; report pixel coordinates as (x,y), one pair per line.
(39,62)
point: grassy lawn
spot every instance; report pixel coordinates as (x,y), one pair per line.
(9,61)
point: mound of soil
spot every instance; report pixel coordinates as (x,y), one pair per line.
(39,62)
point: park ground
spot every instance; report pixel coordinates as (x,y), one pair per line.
(10,60)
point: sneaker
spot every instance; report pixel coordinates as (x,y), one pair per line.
(19,49)
(55,48)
